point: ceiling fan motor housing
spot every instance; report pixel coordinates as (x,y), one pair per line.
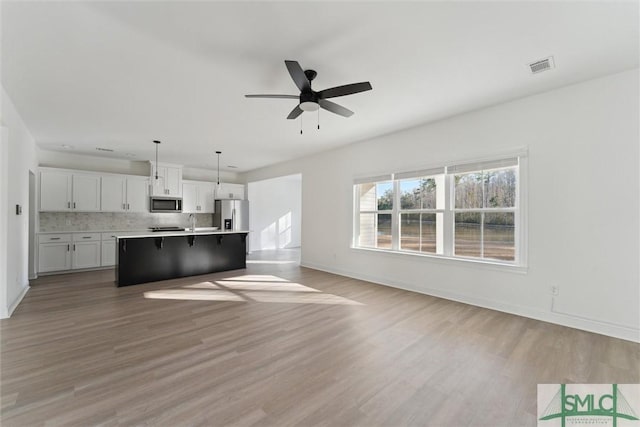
(309,101)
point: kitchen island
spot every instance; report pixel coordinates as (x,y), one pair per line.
(151,257)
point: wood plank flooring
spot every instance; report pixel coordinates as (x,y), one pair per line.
(280,345)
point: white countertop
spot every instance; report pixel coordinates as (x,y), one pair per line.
(180,233)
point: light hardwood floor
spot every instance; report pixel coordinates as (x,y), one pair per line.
(281,345)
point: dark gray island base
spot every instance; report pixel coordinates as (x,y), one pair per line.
(155,257)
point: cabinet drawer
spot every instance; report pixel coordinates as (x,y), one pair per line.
(110,236)
(86,237)
(54,238)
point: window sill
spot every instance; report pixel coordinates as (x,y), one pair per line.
(447,260)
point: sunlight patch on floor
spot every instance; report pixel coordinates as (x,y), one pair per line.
(251,288)
(264,286)
(257,278)
(269,261)
(197,295)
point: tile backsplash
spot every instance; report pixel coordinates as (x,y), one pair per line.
(87,221)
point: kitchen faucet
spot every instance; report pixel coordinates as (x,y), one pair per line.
(192,220)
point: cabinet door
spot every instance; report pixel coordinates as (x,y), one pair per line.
(54,257)
(108,253)
(190,198)
(55,191)
(86,255)
(86,192)
(137,195)
(112,198)
(173,181)
(206,198)
(237,190)
(223,192)
(158,186)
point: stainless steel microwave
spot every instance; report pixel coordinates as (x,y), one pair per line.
(165,204)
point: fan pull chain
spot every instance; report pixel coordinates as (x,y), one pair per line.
(318,118)
(300,124)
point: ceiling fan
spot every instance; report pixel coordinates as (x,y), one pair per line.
(310,100)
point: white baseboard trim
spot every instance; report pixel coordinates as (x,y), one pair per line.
(13,306)
(563,319)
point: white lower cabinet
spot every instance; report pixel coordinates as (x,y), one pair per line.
(108,255)
(60,252)
(86,250)
(54,257)
(85,255)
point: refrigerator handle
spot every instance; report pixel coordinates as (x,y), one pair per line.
(233,219)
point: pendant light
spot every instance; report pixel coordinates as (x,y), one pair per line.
(218,188)
(157,144)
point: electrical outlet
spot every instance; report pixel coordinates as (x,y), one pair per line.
(68,222)
(555,290)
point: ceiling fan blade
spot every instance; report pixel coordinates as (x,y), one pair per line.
(344,90)
(273,96)
(295,112)
(335,108)
(298,76)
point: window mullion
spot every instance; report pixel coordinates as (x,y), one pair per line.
(447,216)
(395,216)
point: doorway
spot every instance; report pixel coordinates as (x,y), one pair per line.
(275,216)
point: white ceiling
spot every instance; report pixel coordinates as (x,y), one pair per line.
(120,74)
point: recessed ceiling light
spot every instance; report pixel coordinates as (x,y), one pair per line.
(66,146)
(129,154)
(232,167)
(108,150)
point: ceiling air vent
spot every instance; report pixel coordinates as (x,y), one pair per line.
(541,65)
(108,150)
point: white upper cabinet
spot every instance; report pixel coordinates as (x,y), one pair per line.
(69,191)
(55,191)
(169,182)
(207,197)
(113,197)
(197,197)
(86,192)
(121,193)
(230,191)
(137,194)
(189,197)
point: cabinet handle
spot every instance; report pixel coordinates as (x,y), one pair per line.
(68,246)
(69,205)
(54,238)
(74,205)
(86,237)
(74,247)
(123,207)
(127,206)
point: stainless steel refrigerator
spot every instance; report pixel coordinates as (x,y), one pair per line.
(231,215)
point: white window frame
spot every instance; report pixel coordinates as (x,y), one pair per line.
(397,202)
(356,217)
(520,216)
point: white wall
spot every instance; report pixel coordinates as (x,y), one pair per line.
(21,157)
(275,213)
(583,205)
(59,159)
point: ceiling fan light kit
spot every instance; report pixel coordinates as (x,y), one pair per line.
(310,100)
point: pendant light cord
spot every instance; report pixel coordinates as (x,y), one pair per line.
(157,143)
(218,153)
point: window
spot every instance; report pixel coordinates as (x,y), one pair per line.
(484,212)
(375,213)
(421,211)
(468,211)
